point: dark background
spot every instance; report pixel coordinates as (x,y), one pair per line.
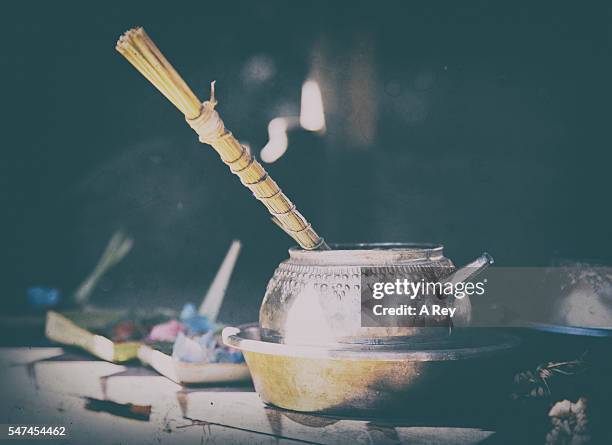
(481,126)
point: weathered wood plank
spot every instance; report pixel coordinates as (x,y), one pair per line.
(53,390)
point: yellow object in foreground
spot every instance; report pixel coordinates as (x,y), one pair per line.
(61,329)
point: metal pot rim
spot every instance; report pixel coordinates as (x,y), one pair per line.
(245,338)
(356,253)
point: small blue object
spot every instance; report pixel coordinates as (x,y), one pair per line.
(189,311)
(201,344)
(39,297)
(203,349)
(195,323)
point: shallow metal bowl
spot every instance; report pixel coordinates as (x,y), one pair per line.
(363,378)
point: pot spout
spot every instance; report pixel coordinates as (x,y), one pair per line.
(469,270)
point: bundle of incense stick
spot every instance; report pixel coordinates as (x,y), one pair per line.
(136,46)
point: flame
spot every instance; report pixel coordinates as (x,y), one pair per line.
(312,116)
(278,141)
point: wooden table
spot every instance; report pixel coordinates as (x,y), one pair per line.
(51,386)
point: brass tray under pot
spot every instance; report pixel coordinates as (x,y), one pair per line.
(369,378)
